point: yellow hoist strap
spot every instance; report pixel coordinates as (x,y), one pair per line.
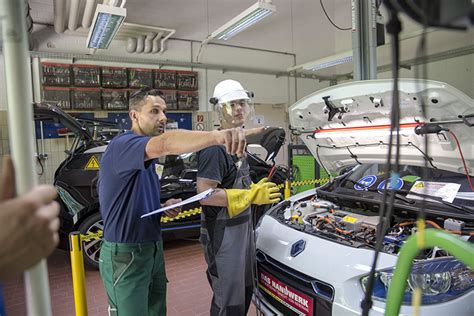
(164,219)
(305,182)
(91,236)
(183,214)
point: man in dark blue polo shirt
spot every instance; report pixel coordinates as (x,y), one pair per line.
(131,260)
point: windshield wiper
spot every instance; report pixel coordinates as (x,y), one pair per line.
(411,201)
(440,200)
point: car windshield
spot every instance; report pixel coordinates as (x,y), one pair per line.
(440,184)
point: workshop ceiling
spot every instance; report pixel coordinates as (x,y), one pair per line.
(286,30)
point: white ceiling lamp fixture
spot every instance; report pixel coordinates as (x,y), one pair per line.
(247,18)
(107,21)
(323,63)
(328,62)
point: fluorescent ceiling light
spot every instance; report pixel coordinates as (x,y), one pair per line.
(325,62)
(249,17)
(107,21)
(364,131)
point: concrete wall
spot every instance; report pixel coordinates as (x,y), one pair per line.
(458,72)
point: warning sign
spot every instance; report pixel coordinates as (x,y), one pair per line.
(159,169)
(199,126)
(92,164)
(199,118)
(419,185)
(447,191)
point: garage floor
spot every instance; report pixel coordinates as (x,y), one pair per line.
(188,290)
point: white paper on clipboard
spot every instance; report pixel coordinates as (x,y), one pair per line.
(201,196)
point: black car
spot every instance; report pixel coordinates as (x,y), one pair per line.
(76,179)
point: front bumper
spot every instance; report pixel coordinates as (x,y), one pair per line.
(267,308)
(329,266)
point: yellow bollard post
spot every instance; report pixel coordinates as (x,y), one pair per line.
(287,191)
(78,275)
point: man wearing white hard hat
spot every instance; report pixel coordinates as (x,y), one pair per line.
(227,229)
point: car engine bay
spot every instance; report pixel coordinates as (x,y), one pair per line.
(357,227)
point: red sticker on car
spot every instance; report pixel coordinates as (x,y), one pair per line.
(286,295)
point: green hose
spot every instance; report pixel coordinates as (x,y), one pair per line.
(462,250)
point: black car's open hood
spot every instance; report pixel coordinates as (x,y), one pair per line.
(49,112)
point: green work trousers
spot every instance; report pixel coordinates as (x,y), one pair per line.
(134,278)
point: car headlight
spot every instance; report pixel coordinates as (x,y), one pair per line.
(439,280)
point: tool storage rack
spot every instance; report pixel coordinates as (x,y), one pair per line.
(93,87)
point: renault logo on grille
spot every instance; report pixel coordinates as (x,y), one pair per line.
(297,247)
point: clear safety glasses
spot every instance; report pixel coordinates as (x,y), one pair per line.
(242,108)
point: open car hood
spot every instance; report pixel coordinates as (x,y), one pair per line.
(349,123)
(51,113)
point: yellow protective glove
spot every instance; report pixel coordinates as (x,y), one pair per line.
(263,192)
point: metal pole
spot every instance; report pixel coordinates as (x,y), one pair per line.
(36,79)
(78,274)
(20,117)
(364,39)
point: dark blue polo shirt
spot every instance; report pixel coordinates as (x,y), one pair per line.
(2,304)
(128,187)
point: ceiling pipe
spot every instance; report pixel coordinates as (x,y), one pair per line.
(152,40)
(29,20)
(156,45)
(159,29)
(88,13)
(174,63)
(73,15)
(162,49)
(84,31)
(148,42)
(131,45)
(59,16)
(29,25)
(140,44)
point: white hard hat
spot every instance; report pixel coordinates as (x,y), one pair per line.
(229,90)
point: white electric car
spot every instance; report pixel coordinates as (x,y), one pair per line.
(314,251)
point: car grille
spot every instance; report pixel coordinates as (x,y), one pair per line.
(321,292)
